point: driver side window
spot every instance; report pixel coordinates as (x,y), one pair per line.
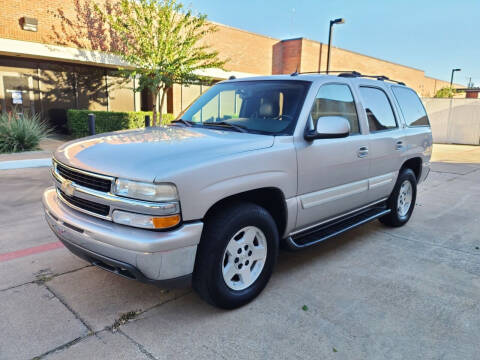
(335,100)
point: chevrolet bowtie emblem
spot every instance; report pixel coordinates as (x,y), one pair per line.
(68,188)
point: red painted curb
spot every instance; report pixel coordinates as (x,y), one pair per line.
(30,251)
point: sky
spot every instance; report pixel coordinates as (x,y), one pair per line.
(432,35)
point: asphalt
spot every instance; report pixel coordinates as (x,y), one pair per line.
(373,293)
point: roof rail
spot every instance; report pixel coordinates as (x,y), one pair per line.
(350,74)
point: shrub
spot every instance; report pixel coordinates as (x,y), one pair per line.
(447,92)
(106,121)
(21,133)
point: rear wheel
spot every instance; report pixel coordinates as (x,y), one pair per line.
(402,199)
(236,255)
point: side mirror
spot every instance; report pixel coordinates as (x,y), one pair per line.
(329,127)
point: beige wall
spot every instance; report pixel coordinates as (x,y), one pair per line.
(454,121)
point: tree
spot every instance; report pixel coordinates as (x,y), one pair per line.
(164,43)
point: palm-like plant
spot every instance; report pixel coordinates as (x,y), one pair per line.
(21,132)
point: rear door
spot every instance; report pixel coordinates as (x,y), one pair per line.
(418,139)
(386,139)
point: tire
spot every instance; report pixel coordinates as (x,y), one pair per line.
(399,214)
(214,260)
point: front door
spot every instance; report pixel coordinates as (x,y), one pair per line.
(332,173)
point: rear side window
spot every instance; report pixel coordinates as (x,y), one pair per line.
(378,108)
(411,106)
(335,100)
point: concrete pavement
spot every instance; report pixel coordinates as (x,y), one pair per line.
(372,293)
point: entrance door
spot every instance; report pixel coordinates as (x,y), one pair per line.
(16,92)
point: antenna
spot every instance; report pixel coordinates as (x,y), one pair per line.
(295,73)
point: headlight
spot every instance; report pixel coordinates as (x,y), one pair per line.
(145,191)
(145,221)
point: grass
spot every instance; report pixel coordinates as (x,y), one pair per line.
(21,133)
(124,318)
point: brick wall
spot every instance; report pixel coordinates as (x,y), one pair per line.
(73,23)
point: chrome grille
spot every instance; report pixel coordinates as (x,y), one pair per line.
(87,205)
(82,179)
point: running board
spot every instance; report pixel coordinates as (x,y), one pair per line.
(334,228)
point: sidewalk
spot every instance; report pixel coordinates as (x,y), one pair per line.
(30,159)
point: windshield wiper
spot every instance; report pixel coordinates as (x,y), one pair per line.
(238,128)
(181,121)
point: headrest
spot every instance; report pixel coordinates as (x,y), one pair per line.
(266,110)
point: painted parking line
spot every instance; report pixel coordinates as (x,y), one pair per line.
(30,251)
(22,164)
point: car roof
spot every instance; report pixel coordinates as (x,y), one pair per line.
(316,77)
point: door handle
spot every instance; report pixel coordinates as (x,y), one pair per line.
(399,145)
(362,152)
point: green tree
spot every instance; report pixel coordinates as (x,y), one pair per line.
(164,44)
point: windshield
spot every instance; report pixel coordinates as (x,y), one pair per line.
(262,106)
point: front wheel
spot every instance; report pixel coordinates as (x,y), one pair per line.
(236,255)
(402,199)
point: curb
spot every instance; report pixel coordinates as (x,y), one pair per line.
(23,164)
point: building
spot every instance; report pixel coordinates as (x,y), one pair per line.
(56,55)
(470,93)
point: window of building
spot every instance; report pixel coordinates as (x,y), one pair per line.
(335,100)
(411,106)
(378,108)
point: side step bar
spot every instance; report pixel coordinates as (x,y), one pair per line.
(336,227)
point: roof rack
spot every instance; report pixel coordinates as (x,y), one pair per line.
(351,74)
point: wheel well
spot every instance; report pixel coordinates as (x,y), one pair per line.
(272,199)
(415,164)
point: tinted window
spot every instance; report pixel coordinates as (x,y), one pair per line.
(266,107)
(411,106)
(335,100)
(378,108)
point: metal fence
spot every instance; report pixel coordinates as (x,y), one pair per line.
(454,121)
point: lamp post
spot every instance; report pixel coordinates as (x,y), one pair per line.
(451,78)
(451,81)
(332,22)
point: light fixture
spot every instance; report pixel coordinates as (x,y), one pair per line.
(29,24)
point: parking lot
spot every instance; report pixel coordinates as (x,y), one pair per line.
(372,293)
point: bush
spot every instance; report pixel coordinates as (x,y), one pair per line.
(106,121)
(447,92)
(21,133)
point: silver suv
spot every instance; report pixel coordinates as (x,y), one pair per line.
(251,165)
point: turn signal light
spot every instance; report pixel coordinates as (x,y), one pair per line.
(165,222)
(145,221)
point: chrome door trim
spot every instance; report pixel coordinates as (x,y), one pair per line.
(381,180)
(336,217)
(334,193)
(339,192)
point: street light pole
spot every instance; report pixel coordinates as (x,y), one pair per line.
(451,78)
(451,81)
(332,22)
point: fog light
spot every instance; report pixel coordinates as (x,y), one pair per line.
(145,221)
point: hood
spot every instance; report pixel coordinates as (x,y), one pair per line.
(143,154)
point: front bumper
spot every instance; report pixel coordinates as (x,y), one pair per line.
(148,256)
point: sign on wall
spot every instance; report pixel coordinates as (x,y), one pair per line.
(17,97)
